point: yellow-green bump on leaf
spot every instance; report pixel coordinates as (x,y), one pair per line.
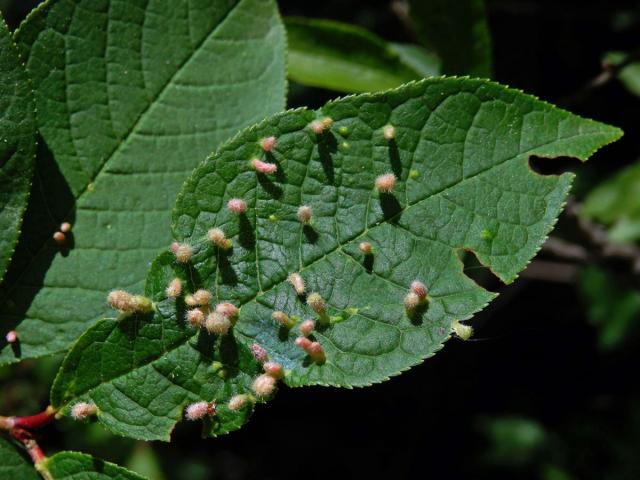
(17,145)
(470,140)
(131,96)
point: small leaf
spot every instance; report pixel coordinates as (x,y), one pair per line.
(616,204)
(457,32)
(346,58)
(629,74)
(17,145)
(131,96)
(74,465)
(14,464)
(468,141)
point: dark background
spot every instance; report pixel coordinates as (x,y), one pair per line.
(534,396)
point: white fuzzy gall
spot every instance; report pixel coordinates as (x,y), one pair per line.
(217,324)
(305,214)
(218,238)
(295,279)
(366,248)
(11,337)
(411,302)
(229,310)
(183,253)
(65,227)
(195,317)
(283,319)
(174,289)
(120,300)
(419,289)
(82,410)
(307,327)
(237,206)
(389,132)
(264,385)
(386,183)
(238,401)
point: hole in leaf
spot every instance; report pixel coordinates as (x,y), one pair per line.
(553,166)
(477,272)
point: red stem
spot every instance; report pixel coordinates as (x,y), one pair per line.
(34,421)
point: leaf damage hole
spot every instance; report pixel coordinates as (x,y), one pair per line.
(479,273)
(553,166)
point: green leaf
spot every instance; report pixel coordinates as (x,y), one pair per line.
(131,96)
(14,464)
(346,58)
(17,145)
(457,32)
(616,204)
(461,157)
(74,465)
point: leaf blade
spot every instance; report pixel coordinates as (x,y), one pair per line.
(70,465)
(17,145)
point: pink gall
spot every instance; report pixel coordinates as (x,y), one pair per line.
(199,410)
(259,353)
(217,324)
(237,206)
(316,352)
(11,337)
(297,282)
(411,302)
(229,310)
(366,248)
(218,238)
(199,298)
(305,214)
(386,183)
(174,289)
(59,238)
(195,317)
(183,252)
(419,289)
(120,300)
(238,401)
(264,167)
(303,342)
(269,143)
(307,327)
(264,385)
(83,410)
(65,227)
(283,319)
(273,369)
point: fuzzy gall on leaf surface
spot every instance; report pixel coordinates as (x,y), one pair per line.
(14,464)
(74,465)
(459,151)
(17,145)
(131,96)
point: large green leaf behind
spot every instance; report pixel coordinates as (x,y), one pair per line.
(17,145)
(131,96)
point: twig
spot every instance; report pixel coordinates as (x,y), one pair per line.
(19,428)
(609,72)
